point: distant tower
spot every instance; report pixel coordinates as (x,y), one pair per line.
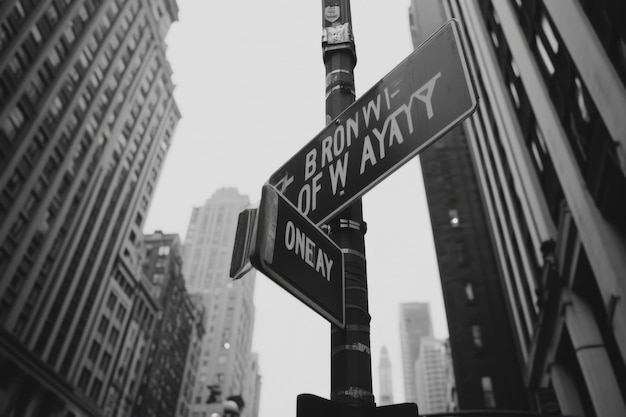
(386,387)
(415,323)
(226,363)
(431,376)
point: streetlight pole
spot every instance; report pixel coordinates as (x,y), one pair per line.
(351,362)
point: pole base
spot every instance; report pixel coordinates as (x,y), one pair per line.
(309,405)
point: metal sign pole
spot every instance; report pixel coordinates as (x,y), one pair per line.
(351,363)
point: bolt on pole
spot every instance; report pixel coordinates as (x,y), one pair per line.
(351,362)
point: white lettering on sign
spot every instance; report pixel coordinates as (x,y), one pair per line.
(327,164)
(297,242)
(395,134)
(425,94)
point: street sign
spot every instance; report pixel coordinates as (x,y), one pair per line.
(299,257)
(424,97)
(309,405)
(244,239)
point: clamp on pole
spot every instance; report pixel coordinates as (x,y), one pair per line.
(361,226)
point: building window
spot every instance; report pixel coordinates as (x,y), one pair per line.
(52,15)
(543,53)
(477,336)
(547,30)
(54,58)
(580,100)
(84,379)
(105,361)
(36,34)
(515,68)
(104,324)
(16,66)
(121,313)
(461,255)
(469,291)
(111,302)
(164,250)
(95,389)
(514,94)
(488,395)
(84,15)
(70,36)
(454,217)
(93,351)
(494,39)
(537,156)
(13,123)
(113,336)
(158,278)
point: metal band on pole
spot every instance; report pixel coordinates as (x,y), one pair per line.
(351,362)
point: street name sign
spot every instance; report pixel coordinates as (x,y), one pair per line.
(244,239)
(419,101)
(299,256)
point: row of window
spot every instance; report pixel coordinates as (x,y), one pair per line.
(55,110)
(129,152)
(124,208)
(62,148)
(586,130)
(521,264)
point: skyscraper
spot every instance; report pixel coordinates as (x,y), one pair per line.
(549,152)
(415,323)
(86,119)
(180,319)
(385,393)
(430,374)
(481,333)
(226,363)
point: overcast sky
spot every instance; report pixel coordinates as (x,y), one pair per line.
(249,82)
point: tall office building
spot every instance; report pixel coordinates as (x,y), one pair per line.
(253,388)
(451,392)
(431,377)
(186,398)
(415,323)
(385,390)
(86,119)
(163,381)
(549,151)
(226,363)
(481,333)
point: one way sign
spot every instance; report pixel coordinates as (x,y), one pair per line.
(299,257)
